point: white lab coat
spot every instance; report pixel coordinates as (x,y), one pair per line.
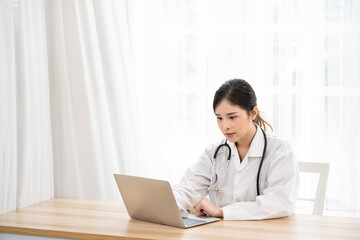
(279,180)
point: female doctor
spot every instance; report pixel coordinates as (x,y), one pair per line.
(250,174)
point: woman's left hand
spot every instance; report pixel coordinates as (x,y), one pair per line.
(205,207)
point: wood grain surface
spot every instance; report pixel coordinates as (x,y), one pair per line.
(102,219)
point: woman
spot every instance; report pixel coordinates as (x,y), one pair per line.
(236,191)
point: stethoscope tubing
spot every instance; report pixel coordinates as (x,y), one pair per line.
(261,162)
(229,156)
(223,145)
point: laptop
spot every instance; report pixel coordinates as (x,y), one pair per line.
(153,201)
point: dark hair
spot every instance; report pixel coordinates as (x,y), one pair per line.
(239,92)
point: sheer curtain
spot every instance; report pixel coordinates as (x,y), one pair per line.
(91,102)
(26,167)
(302,58)
(68,109)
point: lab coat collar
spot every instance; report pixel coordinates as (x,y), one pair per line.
(256,146)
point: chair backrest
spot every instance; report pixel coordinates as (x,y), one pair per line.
(323,170)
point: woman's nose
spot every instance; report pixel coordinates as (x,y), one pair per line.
(225,125)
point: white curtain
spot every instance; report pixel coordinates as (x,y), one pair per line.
(301,57)
(26,166)
(89,88)
(68,100)
(91,85)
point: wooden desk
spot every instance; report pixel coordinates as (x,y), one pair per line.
(100,219)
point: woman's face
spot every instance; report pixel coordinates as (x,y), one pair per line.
(233,121)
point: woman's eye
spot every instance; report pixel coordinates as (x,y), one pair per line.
(232,117)
(219,118)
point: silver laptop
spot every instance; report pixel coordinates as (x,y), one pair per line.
(153,201)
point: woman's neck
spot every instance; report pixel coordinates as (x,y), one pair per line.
(243,144)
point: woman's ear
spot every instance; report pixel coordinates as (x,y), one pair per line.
(254,113)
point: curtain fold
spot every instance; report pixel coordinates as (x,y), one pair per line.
(68,108)
(8,109)
(26,141)
(92,100)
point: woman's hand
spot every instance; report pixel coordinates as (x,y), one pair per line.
(205,207)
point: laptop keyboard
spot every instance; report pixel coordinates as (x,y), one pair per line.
(191,222)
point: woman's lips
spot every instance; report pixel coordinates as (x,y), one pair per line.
(229,134)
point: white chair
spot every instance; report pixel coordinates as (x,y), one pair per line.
(323,170)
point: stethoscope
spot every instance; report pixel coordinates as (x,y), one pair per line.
(212,181)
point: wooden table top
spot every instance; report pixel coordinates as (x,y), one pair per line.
(102,219)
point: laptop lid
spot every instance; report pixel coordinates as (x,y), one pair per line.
(153,201)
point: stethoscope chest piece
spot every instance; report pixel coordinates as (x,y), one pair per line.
(211,189)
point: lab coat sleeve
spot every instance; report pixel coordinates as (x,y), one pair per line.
(194,183)
(279,198)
